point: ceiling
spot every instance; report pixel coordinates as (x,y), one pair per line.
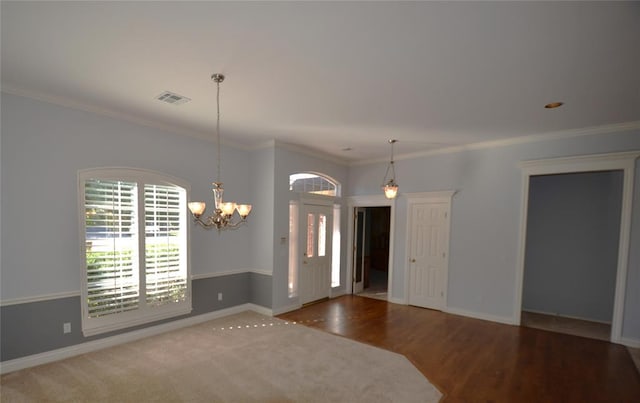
(338,77)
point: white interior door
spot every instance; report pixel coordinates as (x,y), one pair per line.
(358,249)
(316,228)
(429,245)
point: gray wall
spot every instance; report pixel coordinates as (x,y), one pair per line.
(261,219)
(631,323)
(43,146)
(36,327)
(260,289)
(485,218)
(573,226)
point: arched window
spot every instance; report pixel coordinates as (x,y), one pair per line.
(307,182)
(134,249)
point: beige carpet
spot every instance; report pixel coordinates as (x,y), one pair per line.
(241,358)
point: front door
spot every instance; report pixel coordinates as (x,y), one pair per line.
(428,254)
(315,271)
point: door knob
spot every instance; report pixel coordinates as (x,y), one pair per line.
(413,260)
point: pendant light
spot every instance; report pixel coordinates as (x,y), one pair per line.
(223,216)
(390,187)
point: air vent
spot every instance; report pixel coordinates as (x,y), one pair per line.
(171,98)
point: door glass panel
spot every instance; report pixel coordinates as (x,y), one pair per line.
(311,220)
(322,234)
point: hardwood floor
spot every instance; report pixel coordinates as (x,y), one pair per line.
(559,324)
(472,360)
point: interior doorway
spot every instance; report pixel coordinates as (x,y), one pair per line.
(623,161)
(372,229)
(573,227)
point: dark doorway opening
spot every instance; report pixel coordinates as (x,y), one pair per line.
(372,251)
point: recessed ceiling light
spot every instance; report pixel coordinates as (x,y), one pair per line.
(553,105)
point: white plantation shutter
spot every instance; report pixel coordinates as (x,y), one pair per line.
(111,245)
(165,244)
(135,270)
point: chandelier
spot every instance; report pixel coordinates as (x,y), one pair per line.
(223,216)
(390,187)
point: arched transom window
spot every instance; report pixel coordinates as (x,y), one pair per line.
(313,183)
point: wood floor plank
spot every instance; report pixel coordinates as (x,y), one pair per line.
(472,360)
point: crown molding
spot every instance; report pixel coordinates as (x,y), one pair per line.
(310,152)
(263,145)
(557,135)
(273,143)
(206,136)
(72,104)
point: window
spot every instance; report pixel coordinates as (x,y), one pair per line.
(135,268)
(313,183)
(293,250)
(322,235)
(335,257)
(311,221)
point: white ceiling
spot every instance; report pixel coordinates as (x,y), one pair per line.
(333,75)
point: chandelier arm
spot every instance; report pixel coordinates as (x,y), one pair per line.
(226,223)
(199,221)
(234,225)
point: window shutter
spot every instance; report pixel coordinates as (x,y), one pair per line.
(135,252)
(111,243)
(165,244)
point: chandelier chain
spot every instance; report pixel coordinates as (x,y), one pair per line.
(218,128)
(391,165)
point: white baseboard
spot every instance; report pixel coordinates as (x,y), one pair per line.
(338,292)
(400,301)
(286,309)
(633,343)
(259,309)
(83,348)
(477,315)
